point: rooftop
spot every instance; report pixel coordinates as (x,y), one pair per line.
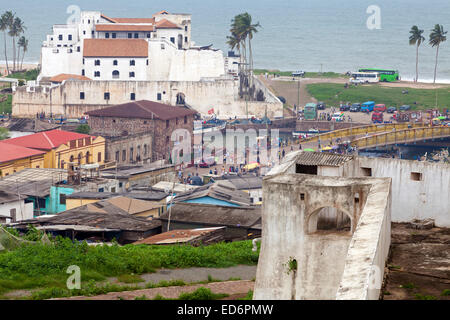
(142,109)
(135,48)
(179,236)
(243,182)
(124,27)
(152,195)
(321,159)
(64,76)
(10,152)
(132,206)
(46,140)
(213,215)
(166,24)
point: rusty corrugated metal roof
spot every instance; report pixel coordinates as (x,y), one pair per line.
(322,159)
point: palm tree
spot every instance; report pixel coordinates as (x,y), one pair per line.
(23,43)
(437,36)
(15,30)
(416,38)
(6,20)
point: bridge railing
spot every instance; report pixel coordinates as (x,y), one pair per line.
(401,136)
(359,130)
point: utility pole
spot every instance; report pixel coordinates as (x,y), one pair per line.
(298,94)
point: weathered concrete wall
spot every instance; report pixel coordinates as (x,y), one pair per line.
(411,199)
(201,95)
(292,203)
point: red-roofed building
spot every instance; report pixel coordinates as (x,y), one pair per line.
(15,158)
(60,147)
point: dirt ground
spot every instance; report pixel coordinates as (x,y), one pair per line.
(235,289)
(419,266)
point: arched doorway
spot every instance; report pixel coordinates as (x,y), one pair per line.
(115,74)
(180,41)
(87,157)
(329,219)
(80,156)
(181,98)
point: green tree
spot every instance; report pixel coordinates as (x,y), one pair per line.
(4,133)
(83,128)
(6,20)
(23,43)
(15,30)
(437,36)
(416,38)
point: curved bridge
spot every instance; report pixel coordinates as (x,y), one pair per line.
(361,130)
(401,136)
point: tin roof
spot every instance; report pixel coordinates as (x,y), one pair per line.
(178,236)
(321,159)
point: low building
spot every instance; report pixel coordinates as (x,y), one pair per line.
(129,149)
(131,177)
(247,183)
(96,223)
(215,194)
(61,147)
(242,223)
(161,120)
(16,158)
(13,208)
(201,236)
(177,188)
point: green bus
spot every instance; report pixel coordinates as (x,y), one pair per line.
(385,74)
(310,111)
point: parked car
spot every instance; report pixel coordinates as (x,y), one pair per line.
(206,163)
(367,106)
(405,108)
(356,107)
(321,105)
(380,108)
(377,117)
(298,73)
(344,107)
(391,109)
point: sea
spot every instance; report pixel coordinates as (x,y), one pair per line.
(310,35)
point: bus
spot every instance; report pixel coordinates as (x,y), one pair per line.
(364,77)
(386,75)
(310,111)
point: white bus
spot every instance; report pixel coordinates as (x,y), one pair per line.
(365,77)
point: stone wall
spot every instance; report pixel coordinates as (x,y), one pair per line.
(201,95)
(119,148)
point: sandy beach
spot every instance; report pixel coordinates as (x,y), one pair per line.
(25,66)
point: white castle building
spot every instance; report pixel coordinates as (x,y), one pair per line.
(101,61)
(158,48)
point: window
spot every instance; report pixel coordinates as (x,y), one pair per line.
(163,46)
(136,35)
(416,176)
(70,37)
(185,39)
(106,95)
(366,172)
(99,157)
(78,49)
(97,62)
(145,149)
(117,156)
(185,28)
(124,155)
(167,123)
(167,139)
(83,61)
(131,154)
(82,72)
(132,74)
(92,32)
(62,198)
(113,189)
(148,35)
(107,35)
(158,97)
(96,73)
(60,37)
(84,31)
(130,35)
(120,184)
(176,121)
(132,62)
(114,35)
(147,61)
(172,39)
(101,190)
(89,21)
(300,168)
(115,74)
(115,63)
(132,96)
(185,119)
(81,95)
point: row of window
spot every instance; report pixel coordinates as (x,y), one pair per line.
(60,37)
(130,35)
(106,96)
(115,62)
(131,154)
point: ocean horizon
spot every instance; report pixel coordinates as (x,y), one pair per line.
(327,35)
